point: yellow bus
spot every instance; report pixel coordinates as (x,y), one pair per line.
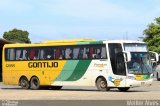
(84,62)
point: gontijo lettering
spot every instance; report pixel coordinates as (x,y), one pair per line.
(43,64)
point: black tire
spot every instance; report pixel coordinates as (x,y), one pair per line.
(124,89)
(56,87)
(158,79)
(34,83)
(101,84)
(24,83)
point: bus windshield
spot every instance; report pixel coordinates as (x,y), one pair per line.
(140,63)
(135,47)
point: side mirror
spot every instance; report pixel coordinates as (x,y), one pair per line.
(154,56)
(154,64)
(128,56)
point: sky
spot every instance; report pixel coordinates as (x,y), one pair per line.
(72,19)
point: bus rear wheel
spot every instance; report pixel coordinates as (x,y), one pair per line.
(24,83)
(124,89)
(34,83)
(101,84)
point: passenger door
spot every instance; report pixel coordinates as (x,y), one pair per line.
(117,64)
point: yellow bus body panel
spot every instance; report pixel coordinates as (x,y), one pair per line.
(46,75)
(14,70)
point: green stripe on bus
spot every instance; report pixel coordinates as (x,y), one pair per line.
(146,76)
(80,69)
(93,42)
(83,43)
(67,70)
(97,42)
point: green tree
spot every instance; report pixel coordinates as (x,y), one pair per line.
(152,37)
(17,35)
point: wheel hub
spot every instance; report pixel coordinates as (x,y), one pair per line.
(23,83)
(103,84)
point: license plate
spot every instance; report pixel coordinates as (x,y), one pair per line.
(142,83)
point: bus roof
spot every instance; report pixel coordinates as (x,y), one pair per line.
(122,41)
(90,40)
(71,42)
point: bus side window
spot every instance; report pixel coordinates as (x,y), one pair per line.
(10,54)
(49,53)
(94,53)
(42,56)
(68,53)
(104,53)
(58,53)
(98,52)
(91,52)
(37,54)
(86,53)
(25,53)
(19,54)
(80,55)
(31,54)
(75,53)
(63,52)
(83,53)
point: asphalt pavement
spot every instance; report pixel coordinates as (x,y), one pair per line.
(8,92)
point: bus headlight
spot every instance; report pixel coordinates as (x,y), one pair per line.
(131,77)
(151,76)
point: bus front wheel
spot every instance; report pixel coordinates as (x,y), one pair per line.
(35,84)
(123,89)
(24,83)
(158,79)
(101,84)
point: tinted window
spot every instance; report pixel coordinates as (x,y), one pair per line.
(117,59)
(51,53)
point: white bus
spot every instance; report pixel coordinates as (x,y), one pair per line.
(121,64)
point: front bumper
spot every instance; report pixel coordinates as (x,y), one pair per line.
(138,83)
